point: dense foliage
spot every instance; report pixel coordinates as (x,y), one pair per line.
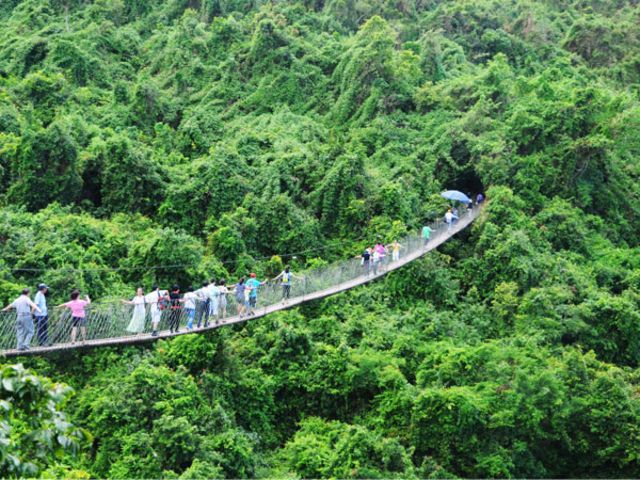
(203,137)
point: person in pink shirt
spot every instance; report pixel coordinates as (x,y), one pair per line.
(78,315)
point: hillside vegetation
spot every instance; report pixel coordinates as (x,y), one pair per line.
(218,137)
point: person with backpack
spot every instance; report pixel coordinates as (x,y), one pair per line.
(158,301)
(175,309)
(136,325)
(286,276)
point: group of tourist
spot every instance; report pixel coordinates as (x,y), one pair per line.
(374,259)
(27,310)
(199,306)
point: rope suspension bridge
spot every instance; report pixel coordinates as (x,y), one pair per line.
(106,323)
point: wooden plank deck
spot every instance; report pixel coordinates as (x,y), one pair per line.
(259,312)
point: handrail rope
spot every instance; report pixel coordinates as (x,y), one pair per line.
(110,320)
(173,266)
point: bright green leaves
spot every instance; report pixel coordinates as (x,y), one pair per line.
(372,77)
(34,431)
(322,449)
(47,169)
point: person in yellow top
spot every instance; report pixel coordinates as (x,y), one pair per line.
(395,251)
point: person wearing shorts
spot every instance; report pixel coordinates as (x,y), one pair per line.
(78,315)
(239,291)
(253,285)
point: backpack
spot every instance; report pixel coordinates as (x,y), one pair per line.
(163,303)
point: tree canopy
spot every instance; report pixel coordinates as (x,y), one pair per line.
(169,141)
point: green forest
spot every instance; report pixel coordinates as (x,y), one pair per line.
(172,141)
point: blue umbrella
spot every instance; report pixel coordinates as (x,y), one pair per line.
(456,195)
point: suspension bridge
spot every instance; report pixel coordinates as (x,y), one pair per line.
(107,322)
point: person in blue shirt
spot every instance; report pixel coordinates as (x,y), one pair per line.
(286,276)
(253,285)
(42,317)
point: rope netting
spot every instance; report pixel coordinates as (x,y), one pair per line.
(113,322)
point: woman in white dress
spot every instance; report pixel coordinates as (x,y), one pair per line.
(136,325)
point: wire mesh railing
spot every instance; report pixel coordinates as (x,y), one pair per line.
(114,322)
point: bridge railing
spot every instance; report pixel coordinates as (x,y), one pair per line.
(113,319)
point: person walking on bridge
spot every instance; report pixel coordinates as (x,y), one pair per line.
(78,315)
(253,284)
(222,302)
(24,323)
(213,292)
(286,276)
(381,251)
(157,300)
(42,318)
(139,302)
(426,234)
(448,218)
(395,251)
(176,308)
(189,300)
(239,291)
(366,260)
(204,301)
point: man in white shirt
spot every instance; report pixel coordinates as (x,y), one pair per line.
(24,322)
(154,299)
